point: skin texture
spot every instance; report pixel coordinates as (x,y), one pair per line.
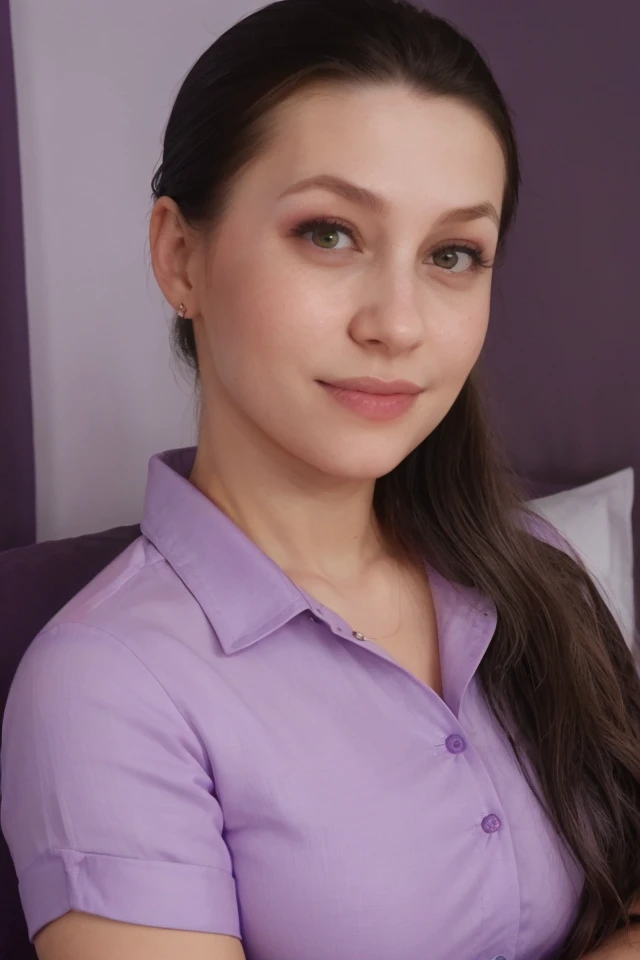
(274,313)
(624,945)
(81,936)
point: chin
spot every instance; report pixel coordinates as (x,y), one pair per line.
(364,464)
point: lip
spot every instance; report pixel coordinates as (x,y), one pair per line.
(382,388)
(373,399)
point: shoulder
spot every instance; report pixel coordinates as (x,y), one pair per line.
(130,575)
(139,602)
(129,645)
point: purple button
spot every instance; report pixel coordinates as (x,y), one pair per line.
(491,823)
(455,744)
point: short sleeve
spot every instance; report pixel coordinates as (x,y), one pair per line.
(107,804)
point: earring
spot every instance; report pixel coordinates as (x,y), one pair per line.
(181,311)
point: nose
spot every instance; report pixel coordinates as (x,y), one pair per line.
(392,317)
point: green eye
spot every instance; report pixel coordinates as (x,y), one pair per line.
(326,230)
(329,230)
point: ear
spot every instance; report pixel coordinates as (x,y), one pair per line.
(174,251)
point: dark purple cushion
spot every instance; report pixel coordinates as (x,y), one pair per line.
(35,582)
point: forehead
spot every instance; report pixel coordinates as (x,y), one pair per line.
(406,145)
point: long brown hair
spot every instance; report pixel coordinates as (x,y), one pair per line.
(557,675)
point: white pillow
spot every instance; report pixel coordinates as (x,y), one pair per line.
(596,520)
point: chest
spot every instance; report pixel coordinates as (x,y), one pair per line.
(357,818)
(366,816)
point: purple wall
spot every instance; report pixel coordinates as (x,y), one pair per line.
(562,358)
(17,488)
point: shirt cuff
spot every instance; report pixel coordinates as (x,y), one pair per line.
(154,893)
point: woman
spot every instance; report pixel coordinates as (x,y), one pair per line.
(343,698)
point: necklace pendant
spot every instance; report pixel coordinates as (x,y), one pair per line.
(359,636)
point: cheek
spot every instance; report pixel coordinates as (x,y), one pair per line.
(262,334)
(458,343)
(246,321)
(263,351)
(476,333)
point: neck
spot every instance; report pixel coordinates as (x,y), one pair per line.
(308,522)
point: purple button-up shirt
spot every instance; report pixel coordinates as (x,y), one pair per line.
(195,742)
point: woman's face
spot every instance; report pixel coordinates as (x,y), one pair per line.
(286,308)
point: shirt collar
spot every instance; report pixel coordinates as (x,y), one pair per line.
(246,596)
(466,620)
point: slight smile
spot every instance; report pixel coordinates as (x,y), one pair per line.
(372,398)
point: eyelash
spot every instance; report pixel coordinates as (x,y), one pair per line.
(479,262)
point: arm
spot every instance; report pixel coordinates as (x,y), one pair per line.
(82,936)
(109,809)
(623,945)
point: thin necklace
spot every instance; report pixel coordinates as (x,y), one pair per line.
(361,636)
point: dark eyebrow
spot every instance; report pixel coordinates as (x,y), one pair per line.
(377,204)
